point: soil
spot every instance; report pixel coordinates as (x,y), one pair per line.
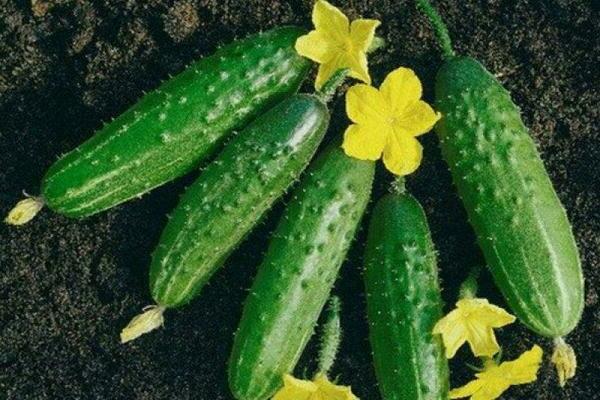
(67,287)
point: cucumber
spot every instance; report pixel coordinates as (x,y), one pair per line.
(172,129)
(520,224)
(231,195)
(298,272)
(519,221)
(404,302)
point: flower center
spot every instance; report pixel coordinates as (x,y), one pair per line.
(347,46)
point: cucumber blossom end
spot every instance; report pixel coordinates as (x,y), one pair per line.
(24,211)
(149,320)
(564,360)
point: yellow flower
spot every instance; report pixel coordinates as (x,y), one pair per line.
(319,389)
(472,321)
(388,120)
(495,379)
(337,44)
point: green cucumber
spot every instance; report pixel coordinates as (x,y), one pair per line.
(404,302)
(231,195)
(520,224)
(298,272)
(172,129)
(519,221)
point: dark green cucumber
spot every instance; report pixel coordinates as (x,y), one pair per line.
(298,272)
(171,129)
(231,195)
(404,302)
(519,221)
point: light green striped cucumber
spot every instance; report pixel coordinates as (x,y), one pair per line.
(519,221)
(171,129)
(404,302)
(298,272)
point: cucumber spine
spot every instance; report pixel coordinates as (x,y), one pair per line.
(404,302)
(296,276)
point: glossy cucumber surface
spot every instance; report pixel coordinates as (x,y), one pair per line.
(519,221)
(295,279)
(404,302)
(232,193)
(170,130)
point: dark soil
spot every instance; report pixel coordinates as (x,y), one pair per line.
(67,287)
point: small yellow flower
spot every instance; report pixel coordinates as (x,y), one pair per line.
(319,389)
(386,121)
(337,44)
(472,321)
(495,379)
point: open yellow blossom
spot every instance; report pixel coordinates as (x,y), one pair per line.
(495,379)
(337,44)
(387,121)
(472,321)
(318,389)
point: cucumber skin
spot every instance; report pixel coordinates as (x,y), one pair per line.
(170,130)
(232,193)
(294,280)
(404,302)
(519,221)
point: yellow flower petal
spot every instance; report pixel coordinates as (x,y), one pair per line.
(327,69)
(362,32)
(319,389)
(417,119)
(467,390)
(472,321)
(315,46)
(330,391)
(486,313)
(523,369)
(365,142)
(495,379)
(359,69)
(401,88)
(296,389)
(329,19)
(364,104)
(453,332)
(402,154)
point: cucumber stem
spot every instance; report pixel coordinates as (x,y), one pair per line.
(468,289)
(398,185)
(24,211)
(564,360)
(150,319)
(328,89)
(330,340)
(440,28)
